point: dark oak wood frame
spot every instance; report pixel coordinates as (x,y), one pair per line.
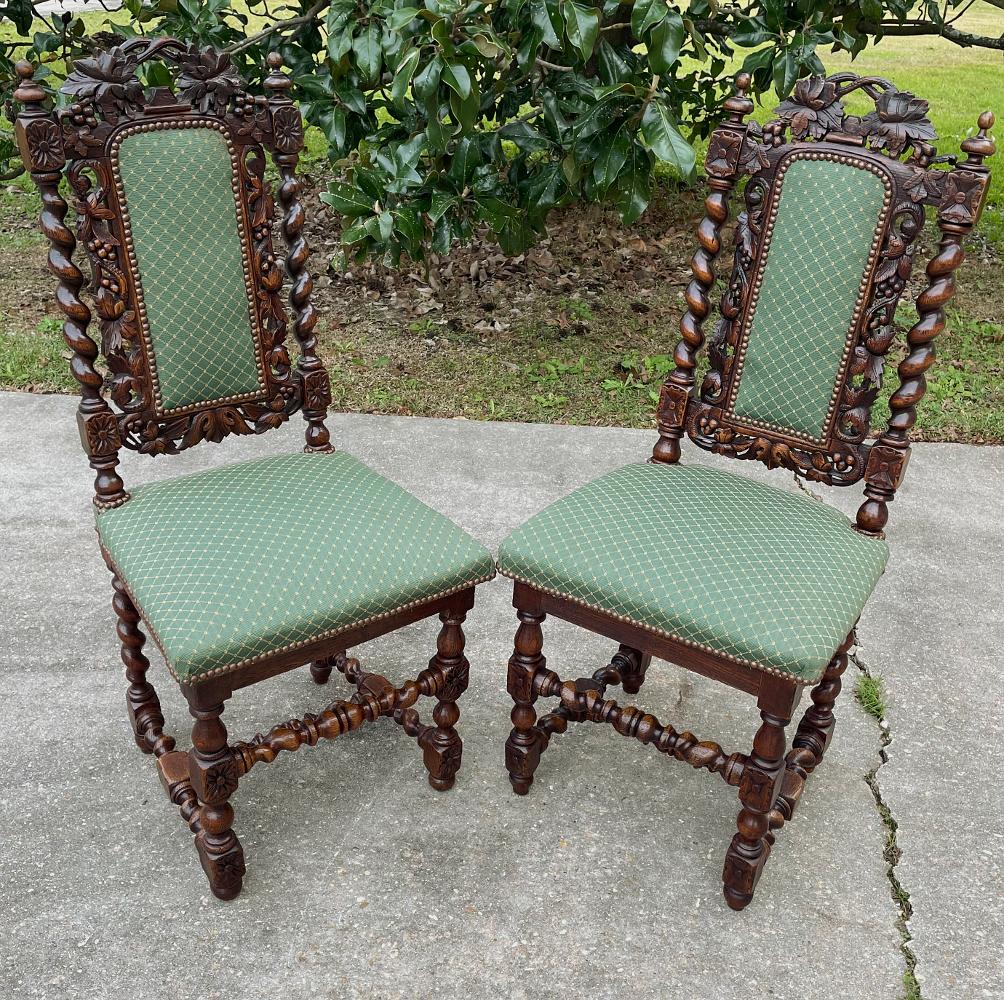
(893,142)
(108,101)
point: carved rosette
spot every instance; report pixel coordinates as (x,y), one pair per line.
(673,400)
(962,198)
(287,129)
(44,143)
(724,150)
(101,434)
(316,390)
(887,467)
(217,782)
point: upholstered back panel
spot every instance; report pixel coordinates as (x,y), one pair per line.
(807,291)
(185,228)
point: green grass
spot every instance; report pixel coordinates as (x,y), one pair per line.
(35,360)
(870,693)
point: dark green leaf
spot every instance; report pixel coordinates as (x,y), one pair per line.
(402,77)
(661,134)
(611,160)
(644,14)
(582,26)
(347,200)
(525,136)
(368,53)
(665,42)
(456,77)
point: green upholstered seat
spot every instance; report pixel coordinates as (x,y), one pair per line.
(242,561)
(772,579)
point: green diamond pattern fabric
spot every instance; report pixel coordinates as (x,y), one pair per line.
(826,221)
(772,579)
(249,559)
(178,187)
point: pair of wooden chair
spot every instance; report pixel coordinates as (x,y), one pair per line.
(250,570)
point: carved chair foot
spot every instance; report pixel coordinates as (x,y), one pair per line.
(320,670)
(527,741)
(742,872)
(762,778)
(224,867)
(213,770)
(442,748)
(522,756)
(632,664)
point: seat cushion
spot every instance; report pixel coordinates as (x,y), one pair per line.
(771,579)
(233,564)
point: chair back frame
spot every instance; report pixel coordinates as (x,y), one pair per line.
(107,103)
(893,142)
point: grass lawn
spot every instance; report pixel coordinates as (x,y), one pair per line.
(580,330)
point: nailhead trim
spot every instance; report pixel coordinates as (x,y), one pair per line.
(863,294)
(330,634)
(662,632)
(242,228)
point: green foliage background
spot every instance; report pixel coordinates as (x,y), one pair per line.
(445,114)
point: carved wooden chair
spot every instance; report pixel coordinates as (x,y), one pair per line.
(742,582)
(249,570)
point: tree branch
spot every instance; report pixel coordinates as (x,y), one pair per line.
(293,22)
(961,38)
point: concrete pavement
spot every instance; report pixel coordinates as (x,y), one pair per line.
(604,882)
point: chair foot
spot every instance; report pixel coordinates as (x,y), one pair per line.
(526,742)
(320,670)
(213,771)
(633,664)
(762,773)
(442,747)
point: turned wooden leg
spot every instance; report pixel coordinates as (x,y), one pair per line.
(632,664)
(750,846)
(816,728)
(145,714)
(524,746)
(320,670)
(441,745)
(213,772)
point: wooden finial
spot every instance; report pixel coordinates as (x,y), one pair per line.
(276,82)
(978,147)
(28,91)
(739,105)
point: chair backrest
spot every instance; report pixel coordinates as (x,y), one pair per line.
(824,247)
(175,214)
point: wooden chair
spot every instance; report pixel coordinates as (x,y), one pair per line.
(754,586)
(246,571)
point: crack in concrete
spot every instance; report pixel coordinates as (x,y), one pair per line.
(892,852)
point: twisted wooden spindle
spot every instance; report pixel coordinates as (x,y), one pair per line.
(288,141)
(679,385)
(964,190)
(145,713)
(40,142)
(583,700)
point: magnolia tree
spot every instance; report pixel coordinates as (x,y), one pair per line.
(441,115)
